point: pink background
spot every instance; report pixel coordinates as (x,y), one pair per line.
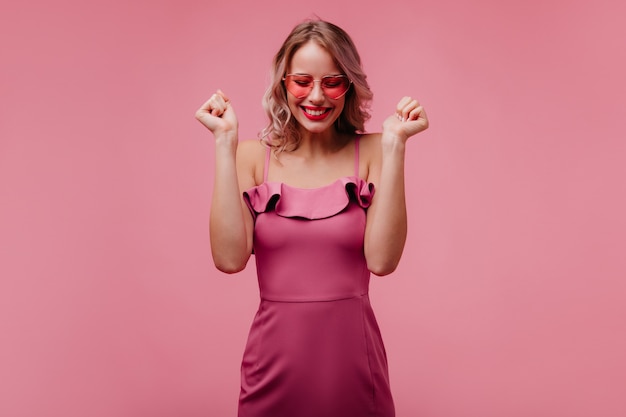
(510,299)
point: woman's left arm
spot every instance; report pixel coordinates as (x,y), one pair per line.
(386,227)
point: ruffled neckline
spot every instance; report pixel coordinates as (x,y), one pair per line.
(309,203)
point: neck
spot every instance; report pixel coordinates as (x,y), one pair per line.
(326,142)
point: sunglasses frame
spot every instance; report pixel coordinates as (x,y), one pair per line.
(313,80)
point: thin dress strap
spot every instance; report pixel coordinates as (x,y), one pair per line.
(266,169)
(356,156)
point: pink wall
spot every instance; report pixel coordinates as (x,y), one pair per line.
(511,297)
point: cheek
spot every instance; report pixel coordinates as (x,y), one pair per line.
(341,105)
(293,103)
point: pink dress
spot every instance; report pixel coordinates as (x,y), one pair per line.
(314,348)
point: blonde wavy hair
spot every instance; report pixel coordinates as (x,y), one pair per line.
(281,134)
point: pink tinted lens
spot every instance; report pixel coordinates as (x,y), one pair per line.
(335,87)
(299,85)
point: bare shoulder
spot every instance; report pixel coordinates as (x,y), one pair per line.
(251,160)
(370,142)
(370,156)
(252,148)
(369,147)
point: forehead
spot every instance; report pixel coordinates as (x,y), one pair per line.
(311,58)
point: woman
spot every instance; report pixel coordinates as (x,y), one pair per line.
(303,201)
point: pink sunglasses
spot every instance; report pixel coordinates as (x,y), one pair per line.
(300,85)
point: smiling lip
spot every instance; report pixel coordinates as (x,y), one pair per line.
(316,113)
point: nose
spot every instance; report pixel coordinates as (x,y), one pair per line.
(317,94)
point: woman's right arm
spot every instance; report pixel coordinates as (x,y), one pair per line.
(231,223)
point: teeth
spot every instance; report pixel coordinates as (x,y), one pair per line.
(315,112)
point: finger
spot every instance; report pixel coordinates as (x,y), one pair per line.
(223,96)
(416,113)
(205,109)
(215,106)
(222,101)
(408,105)
(218,99)
(406,112)
(207,104)
(401,105)
(403,102)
